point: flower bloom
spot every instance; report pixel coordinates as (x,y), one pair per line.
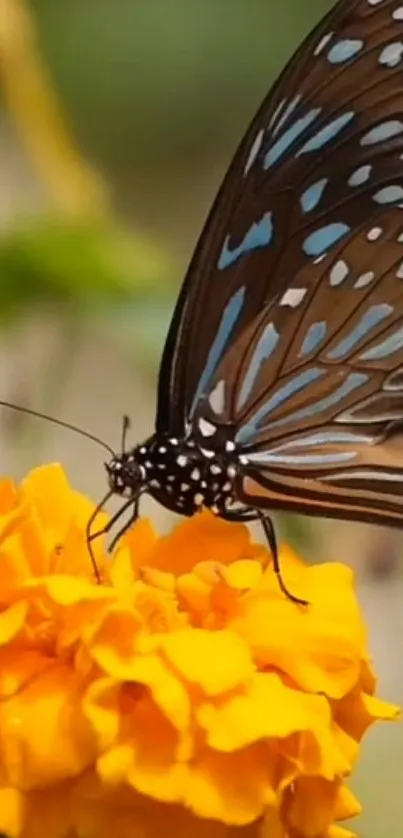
(184,696)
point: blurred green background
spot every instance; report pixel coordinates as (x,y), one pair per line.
(118,120)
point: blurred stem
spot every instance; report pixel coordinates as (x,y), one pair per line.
(74,188)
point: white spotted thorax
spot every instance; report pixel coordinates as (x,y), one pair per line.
(179,474)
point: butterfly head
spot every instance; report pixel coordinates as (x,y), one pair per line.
(126,476)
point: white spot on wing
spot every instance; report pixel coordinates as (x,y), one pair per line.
(398,13)
(206,428)
(322,43)
(217,397)
(374,234)
(391,55)
(339,272)
(181,460)
(254,151)
(364,279)
(293,297)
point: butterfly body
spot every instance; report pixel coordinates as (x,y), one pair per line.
(179,474)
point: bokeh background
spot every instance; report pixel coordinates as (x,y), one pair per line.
(117,121)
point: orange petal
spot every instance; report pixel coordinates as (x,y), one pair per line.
(49,813)
(20,666)
(44,735)
(328,634)
(265,709)
(48,489)
(204,537)
(102,710)
(138,544)
(12,621)
(347,805)
(12,812)
(216,661)
(66,590)
(336,831)
(356,712)
(112,641)
(310,805)
(243,574)
(233,788)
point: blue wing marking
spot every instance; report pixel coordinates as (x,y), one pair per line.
(286,113)
(371,318)
(304,459)
(248,431)
(386,347)
(228,321)
(389,194)
(264,348)
(313,338)
(344,50)
(259,235)
(329,132)
(312,196)
(324,438)
(288,138)
(383,131)
(360,175)
(275,455)
(353,381)
(367,474)
(320,240)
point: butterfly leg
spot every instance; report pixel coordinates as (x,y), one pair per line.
(132,520)
(269,531)
(91,536)
(270,534)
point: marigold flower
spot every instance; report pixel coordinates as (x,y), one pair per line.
(183,696)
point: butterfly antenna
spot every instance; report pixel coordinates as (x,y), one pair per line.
(59,422)
(125,429)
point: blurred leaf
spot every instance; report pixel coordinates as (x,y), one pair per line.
(53,262)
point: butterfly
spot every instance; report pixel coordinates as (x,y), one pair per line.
(281,381)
